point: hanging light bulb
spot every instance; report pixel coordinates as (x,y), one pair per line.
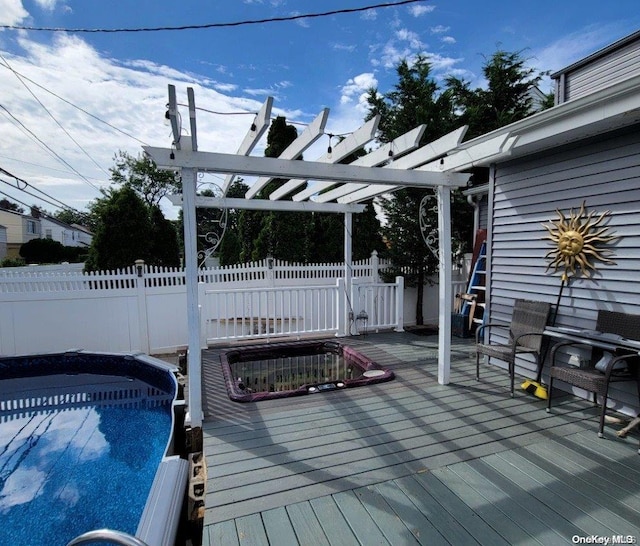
(253,125)
(329,149)
(167,116)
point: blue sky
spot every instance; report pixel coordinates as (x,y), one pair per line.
(306,65)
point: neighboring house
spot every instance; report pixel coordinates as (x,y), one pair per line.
(20,228)
(586,149)
(3,242)
(67,235)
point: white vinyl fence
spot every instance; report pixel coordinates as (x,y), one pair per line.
(145,310)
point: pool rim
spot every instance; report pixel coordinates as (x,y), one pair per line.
(160,514)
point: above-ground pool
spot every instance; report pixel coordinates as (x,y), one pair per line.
(263,372)
(82,436)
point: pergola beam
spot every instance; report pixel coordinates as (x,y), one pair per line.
(265,204)
(422,155)
(312,133)
(342,149)
(466,158)
(253,136)
(286,168)
(398,147)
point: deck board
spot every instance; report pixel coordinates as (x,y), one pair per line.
(411,461)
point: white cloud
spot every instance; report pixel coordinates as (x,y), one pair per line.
(448,40)
(420,10)
(369,15)
(131,97)
(12,12)
(344,47)
(439,29)
(225,87)
(356,89)
(304,23)
(49,5)
(413,38)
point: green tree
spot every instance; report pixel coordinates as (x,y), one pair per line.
(70,216)
(274,233)
(230,246)
(10,205)
(164,247)
(42,251)
(505,99)
(123,233)
(143,176)
(414,100)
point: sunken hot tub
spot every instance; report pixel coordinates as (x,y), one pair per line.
(264,372)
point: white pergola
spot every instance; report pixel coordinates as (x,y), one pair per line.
(400,163)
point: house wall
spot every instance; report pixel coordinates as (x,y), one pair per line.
(63,233)
(604,173)
(616,63)
(18,230)
(3,242)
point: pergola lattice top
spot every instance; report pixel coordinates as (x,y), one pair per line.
(343,188)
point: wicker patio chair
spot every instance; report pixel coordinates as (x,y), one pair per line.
(528,321)
(591,379)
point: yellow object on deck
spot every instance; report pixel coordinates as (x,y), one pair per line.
(537,389)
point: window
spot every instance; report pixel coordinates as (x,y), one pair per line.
(48,234)
(32,227)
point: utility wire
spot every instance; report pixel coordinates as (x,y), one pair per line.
(19,180)
(48,148)
(37,197)
(215,25)
(53,117)
(75,106)
(63,171)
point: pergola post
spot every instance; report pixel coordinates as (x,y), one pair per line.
(189,181)
(348,274)
(444,257)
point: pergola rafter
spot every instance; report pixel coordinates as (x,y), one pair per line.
(370,175)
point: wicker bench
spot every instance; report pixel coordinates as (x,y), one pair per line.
(594,380)
(528,321)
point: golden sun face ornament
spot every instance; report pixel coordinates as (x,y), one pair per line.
(577,240)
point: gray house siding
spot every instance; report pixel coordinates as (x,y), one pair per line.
(604,172)
(483,212)
(618,62)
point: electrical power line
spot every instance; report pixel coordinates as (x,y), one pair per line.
(215,25)
(48,148)
(53,117)
(75,106)
(47,199)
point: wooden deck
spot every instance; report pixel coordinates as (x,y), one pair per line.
(413,462)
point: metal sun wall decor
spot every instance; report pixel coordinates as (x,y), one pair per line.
(577,240)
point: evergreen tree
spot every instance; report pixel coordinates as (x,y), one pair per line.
(505,99)
(164,248)
(123,233)
(230,246)
(414,100)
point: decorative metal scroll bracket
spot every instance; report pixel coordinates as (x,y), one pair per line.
(429,232)
(213,220)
